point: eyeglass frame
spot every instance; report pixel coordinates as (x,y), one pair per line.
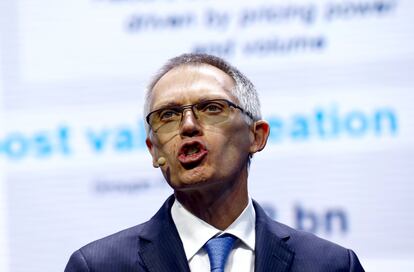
(181,110)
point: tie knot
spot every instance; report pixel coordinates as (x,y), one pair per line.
(218,249)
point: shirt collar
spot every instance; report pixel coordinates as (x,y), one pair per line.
(194,232)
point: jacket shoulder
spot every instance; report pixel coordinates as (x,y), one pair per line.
(126,238)
(116,252)
(312,251)
(119,251)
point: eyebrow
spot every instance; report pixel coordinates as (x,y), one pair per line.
(173,104)
(168,105)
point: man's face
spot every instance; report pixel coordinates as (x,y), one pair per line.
(196,154)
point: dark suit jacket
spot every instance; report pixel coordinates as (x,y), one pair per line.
(156,246)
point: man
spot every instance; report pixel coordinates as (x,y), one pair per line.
(203,127)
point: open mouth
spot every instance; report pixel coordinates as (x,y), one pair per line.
(191,154)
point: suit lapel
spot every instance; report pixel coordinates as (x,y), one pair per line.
(161,249)
(272,253)
(160,246)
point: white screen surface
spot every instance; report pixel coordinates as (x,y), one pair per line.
(335,82)
(4,245)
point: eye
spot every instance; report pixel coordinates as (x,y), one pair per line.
(212,107)
(168,115)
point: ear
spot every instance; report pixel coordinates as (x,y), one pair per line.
(151,148)
(260,132)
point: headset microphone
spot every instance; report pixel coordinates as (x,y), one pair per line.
(160,162)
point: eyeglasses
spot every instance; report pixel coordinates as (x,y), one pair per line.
(209,112)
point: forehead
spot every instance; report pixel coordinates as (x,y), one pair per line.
(188,84)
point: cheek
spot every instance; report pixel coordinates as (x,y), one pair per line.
(233,147)
(167,147)
(238,148)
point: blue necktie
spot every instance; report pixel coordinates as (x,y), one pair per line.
(218,249)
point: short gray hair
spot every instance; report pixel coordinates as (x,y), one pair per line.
(244,90)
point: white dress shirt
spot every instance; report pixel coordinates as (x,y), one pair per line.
(194,233)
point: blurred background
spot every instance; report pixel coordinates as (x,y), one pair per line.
(336,83)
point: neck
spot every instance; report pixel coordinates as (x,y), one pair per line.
(220,204)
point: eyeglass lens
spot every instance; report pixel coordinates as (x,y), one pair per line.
(207,113)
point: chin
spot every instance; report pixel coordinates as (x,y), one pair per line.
(191,181)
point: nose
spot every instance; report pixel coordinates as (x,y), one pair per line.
(190,126)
